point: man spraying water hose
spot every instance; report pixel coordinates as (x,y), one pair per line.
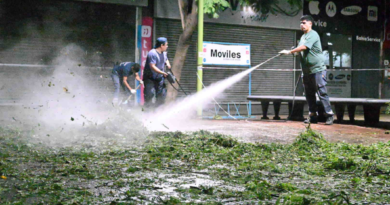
(314,70)
(155,73)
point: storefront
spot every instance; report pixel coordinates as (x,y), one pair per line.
(35,33)
(267,34)
(351,34)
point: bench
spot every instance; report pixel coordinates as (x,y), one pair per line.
(371,107)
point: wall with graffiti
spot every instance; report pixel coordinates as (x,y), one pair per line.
(279,14)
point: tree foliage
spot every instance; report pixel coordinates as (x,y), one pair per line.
(213,7)
(272,6)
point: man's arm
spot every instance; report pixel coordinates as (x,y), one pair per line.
(168,64)
(298,49)
(310,40)
(127,84)
(137,77)
(155,69)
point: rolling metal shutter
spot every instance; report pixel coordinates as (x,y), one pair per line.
(265,43)
(36,33)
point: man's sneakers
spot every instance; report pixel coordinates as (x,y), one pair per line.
(329,120)
(313,120)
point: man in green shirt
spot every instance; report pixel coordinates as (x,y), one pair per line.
(314,70)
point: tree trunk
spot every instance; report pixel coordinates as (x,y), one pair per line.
(181,51)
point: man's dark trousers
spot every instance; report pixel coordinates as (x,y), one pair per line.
(118,83)
(316,83)
(155,87)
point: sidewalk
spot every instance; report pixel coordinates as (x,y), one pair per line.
(251,130)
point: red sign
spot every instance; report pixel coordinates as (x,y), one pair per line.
(145,46)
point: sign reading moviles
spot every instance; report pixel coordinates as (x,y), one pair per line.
(232,54)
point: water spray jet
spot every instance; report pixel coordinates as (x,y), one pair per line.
(180,112)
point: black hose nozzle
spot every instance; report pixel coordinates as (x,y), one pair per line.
(170,77)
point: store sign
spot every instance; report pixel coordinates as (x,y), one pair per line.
(372,13)
(331,9)
(347,16)
(339,83)
(314,7)
(367,38)
(226,54)
(145,41)
(320,23)
(351,10)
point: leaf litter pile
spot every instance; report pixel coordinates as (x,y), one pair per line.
(195,168)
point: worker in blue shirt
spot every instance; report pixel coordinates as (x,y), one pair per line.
(155,73)
(120,74)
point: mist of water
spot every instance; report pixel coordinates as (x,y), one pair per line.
(63,106)
(66,110)
(60,103)
(178,114)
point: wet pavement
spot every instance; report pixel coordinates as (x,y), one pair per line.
(286,131)
(283,131)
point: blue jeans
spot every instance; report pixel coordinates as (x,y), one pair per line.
(316,83)
(118,82)
(157,88)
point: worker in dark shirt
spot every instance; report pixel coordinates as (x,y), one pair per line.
(120,74)
(155,73)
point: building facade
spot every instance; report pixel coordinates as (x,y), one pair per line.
(102,32)
(36,34)
(267,34)
(351,33)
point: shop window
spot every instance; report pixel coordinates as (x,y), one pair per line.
(337,50)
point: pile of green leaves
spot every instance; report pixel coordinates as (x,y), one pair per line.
(199,167)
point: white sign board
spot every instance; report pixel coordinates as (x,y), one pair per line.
(339,84)
(229,54)
(240,15)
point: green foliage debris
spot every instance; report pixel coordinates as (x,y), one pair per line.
(195,168)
